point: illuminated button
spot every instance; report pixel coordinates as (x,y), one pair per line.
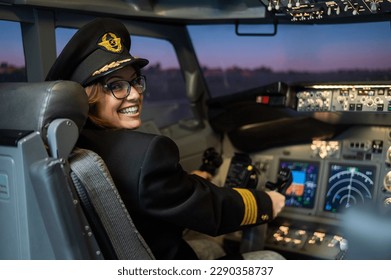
(263,99)
(297,241)
(284,230)
(387,202)
(279,238)
(319,234)
(311,241)
(276,235)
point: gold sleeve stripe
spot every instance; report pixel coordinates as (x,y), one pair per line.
(250,206)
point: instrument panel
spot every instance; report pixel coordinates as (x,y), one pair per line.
(330,178)
(348,185)
(302,192)
(334,174)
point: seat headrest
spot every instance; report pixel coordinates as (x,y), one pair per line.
(32,106)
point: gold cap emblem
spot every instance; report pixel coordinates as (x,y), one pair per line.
(111,42)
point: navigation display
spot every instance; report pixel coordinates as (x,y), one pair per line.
(302,192)
(348,185)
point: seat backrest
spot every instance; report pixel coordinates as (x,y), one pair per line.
(38,217)
(41,210)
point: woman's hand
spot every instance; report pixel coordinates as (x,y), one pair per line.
(278,201)
(202,174)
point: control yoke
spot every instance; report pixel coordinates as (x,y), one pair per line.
(284,180)
(211,161)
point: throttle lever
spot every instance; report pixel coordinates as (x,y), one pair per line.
(284,180)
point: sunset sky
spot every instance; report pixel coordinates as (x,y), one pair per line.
(312,48)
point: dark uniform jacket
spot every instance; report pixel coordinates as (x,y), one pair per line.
(163,199)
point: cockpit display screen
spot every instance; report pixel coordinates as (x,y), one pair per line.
(348,185)
(302,192)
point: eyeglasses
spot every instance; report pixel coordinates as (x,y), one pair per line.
(121,89)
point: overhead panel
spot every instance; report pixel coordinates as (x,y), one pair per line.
(312,10)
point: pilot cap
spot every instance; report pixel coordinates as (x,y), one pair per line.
(97,49)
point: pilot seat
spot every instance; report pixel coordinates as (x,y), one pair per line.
(57,201)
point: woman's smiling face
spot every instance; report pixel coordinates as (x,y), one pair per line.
(120,113)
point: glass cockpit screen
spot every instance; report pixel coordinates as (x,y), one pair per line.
(348,186)
(302,192)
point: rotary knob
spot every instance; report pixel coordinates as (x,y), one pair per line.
(387,182)
(387,202)
(388,156)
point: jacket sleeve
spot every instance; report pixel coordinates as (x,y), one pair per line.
(168,192)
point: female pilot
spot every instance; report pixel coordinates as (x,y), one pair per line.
(162,198)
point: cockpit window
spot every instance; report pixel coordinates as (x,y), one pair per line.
(12,63)
(296,54)
(165,100)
